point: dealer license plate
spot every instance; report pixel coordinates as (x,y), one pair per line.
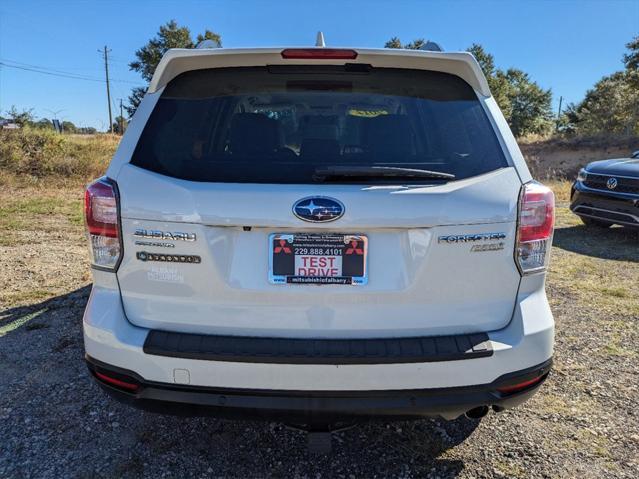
(318,258)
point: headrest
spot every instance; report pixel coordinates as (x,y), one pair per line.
(389,135)
(254,134)
(320,149)
(319,126)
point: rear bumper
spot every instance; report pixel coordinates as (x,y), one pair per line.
(614,208)
(317,406)
(420,386)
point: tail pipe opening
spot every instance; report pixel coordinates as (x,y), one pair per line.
(477,412)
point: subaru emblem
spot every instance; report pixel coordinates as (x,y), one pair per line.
(318,209)
(612,183)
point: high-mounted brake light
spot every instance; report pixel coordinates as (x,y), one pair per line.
(101,209)
(535,228)
(319,54)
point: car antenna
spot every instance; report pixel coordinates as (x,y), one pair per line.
(319,41)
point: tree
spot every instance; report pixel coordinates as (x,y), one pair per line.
(87,130)
(631,59)
(20,117)
(395,42)
(69,127)
(497,81)
(530,105)
(119,125)
(525,105)
(169,36)
(612,105)
(43,124)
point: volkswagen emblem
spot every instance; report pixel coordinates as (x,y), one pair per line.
(612,183)
(318,209)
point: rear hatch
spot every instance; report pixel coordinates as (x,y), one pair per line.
(412,205)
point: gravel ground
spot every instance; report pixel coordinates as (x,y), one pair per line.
(55,422)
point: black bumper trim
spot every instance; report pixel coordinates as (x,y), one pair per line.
(317,351)
(608,207)
(331,406)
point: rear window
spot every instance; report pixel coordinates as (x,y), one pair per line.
(284,124)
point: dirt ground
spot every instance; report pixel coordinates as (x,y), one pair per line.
(55,422)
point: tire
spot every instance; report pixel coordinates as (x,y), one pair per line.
(591,222)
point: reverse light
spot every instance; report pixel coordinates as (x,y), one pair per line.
(535,228)
(101,211)
(319,54)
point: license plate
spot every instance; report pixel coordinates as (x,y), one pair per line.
(317,258)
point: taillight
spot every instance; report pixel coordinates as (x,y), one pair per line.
(101,211)
(535,228)
(319,53)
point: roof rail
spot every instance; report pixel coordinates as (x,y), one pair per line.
(431,47)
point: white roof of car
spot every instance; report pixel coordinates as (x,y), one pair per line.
(176,61)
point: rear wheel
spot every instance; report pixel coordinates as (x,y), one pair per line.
(595,223)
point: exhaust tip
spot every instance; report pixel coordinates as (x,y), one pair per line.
(477,412)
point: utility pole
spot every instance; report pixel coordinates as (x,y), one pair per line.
(558,113)
(105,52)
(121,119)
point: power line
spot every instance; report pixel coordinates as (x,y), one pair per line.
(49,68)
(64,75)
(60,73)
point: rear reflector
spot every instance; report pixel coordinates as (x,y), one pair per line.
(319,54)
(520,386)
(535,228)
(117,382)
(102,220)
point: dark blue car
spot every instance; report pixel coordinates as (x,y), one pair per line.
(607,192)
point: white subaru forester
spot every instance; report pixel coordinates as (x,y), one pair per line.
(319,235)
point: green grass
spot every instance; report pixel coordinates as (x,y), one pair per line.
(26,212)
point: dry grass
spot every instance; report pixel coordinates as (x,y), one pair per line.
(32,155)
(605,269)
(559,157)
(42,242)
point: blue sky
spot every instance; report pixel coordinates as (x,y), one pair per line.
(565,45)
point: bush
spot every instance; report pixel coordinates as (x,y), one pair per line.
(41,153)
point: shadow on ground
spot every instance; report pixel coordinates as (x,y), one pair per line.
(616,243)
(51,407)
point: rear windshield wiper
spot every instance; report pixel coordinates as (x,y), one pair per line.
(321,174)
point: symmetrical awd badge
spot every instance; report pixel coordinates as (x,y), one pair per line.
(168,258)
